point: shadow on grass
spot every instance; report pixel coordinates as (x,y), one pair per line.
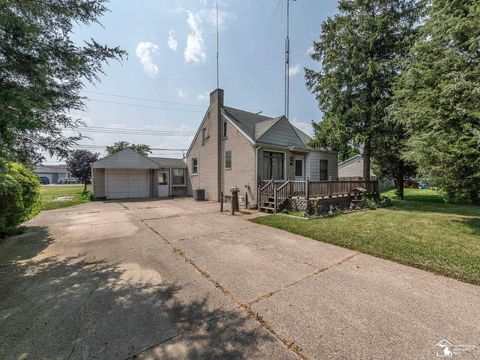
(73,308)
(432,206)
(473,224)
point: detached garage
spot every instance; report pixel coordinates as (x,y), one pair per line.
(128,174)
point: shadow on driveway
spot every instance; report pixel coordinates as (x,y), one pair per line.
(53,307)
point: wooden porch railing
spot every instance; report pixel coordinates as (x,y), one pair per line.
(266,188)
(281,190)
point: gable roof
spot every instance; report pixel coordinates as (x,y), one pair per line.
(125,159)
(256,125)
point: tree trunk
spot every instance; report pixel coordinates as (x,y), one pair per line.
(475,197)
(399,183)
(366,160)
(399,187)
(85,186)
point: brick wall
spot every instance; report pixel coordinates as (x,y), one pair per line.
(242,172)
(207,151)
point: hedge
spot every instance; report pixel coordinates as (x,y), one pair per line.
(19,196)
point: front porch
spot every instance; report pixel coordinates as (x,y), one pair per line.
(274,195)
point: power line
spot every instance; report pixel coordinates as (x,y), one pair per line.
(95,146)
(144,99)
(131,131)
(145,106)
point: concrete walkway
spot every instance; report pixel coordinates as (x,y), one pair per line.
(175,279)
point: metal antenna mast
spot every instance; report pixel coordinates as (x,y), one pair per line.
(216,5)
(287,63)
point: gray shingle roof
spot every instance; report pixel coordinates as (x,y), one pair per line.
(255,125)
(169,162)
(54,169)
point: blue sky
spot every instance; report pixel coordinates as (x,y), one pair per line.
(172,46)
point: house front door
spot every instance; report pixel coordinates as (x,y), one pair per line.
(163,184)
(299,169)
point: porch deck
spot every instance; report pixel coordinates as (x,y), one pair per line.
(273,193)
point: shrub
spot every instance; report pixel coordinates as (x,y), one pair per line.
(19,196)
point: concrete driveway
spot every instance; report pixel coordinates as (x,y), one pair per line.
(175,279)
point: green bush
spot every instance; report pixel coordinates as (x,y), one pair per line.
(19,196)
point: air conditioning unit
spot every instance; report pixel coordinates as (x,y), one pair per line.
(199,194)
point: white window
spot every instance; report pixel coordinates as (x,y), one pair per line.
(178,177)
(194,166)
(228,159)
(204,135)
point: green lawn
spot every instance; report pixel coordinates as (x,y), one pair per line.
(420,231)
(50,194)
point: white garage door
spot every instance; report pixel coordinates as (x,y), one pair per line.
(127,183)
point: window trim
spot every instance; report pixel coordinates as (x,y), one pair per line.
(165,178)
(194,166)
(302,161)
(184,178)
(284,160)
(225,162)
(225,130)
(320,169)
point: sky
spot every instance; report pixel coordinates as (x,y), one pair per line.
(164,83)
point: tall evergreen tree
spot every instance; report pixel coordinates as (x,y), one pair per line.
(42,71)
(360,49)
(438,99)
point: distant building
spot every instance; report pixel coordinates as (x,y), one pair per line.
(352,169)
(54,173)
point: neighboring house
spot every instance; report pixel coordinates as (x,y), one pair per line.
(54,173)
(236,148)
(127,174)
(352,169)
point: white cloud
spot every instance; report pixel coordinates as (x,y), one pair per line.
(295,70)
(145,52)
(182,94)
(210,17)
(305,127)
(203,97)
(172,43)
(310,50)
(195,50)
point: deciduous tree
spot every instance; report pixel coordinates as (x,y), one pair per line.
(42,71)
(142,149)
(79,164)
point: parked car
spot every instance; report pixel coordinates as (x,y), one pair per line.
(44,180)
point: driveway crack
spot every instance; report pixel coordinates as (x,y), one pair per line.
(316,272)
(290,344)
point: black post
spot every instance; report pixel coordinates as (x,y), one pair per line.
(246,200)
(221,201)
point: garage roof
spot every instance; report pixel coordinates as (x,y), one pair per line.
(125,159)
(169,162)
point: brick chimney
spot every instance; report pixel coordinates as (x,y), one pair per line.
(216,105)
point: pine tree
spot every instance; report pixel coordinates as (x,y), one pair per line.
(360,50)
(438,99)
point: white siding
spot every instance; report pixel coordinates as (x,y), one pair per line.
(281,134)
(313,165)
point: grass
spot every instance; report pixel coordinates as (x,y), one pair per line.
(421,231)
(50,193)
